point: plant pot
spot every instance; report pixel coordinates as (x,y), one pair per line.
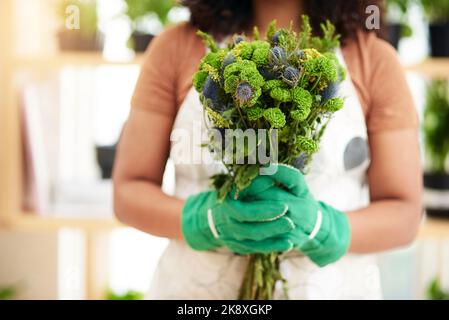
(74,40)
(436,194)
(439,39)
(105,159)
(141,41)
(436,181)
(393,35)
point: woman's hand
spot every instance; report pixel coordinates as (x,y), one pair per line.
(249,224)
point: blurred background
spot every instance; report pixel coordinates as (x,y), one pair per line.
(64,96)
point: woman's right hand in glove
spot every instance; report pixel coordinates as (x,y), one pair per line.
(245,225)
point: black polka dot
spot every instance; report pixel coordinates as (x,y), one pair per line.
(356,153)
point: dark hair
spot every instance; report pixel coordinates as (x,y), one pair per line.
(224,17)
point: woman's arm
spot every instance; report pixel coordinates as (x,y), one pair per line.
(395,181)
(142,154)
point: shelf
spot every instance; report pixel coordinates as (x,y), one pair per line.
(433,228)
(33,222)
(434,68)
(72,59)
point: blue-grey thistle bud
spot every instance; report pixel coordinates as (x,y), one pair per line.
(211,91)
(277,55)
(330,92)
(300,162)
(300,54)
(244,92)
(291,75)
(275,38)
(229,59)
(268,74)
(238,39)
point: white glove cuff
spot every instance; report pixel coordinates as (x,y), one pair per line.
(210,220)
(316,229)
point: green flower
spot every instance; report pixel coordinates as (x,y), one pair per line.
(306,145)
(300,114)
(254,114)
(302,98)
(198,80)
(243,50)
(260,56)
(333,105)
(231,83)
(245,70)
(281,94)
(275,117)
(271,84)
(213,59)
(322,67)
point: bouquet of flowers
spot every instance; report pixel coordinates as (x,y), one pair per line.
(284,89)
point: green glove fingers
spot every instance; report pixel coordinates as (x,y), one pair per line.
(208,224)
(321,231)
(255,211)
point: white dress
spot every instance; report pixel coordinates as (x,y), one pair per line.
(337,176)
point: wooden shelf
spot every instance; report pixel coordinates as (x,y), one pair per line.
(434,68)
(433,228)
(71,59)
(34,222)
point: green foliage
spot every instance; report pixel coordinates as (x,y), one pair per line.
(129,295)
(88,14)
(436,10)
(436,129)
(137,9)
(434,291)
(8,293)
(276,83)
(402,7)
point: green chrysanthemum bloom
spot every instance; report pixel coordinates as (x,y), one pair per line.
(341,72)
(243,50)
(217,118)
(302,98)
(252,76)
(271,84)
(333,105)
(281,94)
(300,114)
(260,56)
(275,117)
(198,80)
(231,83)
(213,59)
(254,114)
(321,67)
(306,145)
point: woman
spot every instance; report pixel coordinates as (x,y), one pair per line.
(366,175)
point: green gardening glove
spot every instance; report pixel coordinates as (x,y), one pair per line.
(321,232)
(245,225)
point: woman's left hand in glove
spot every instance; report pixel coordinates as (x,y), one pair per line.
(321,232)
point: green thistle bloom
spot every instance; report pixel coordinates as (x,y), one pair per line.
(198,80)
(333,105)
(254,114)
(306,145)
(281,94)
(275,117)
(302,98)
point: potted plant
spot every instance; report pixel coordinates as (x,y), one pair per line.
(397,21)
(84,37)
(437,12)
(436,138)
(138,12)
